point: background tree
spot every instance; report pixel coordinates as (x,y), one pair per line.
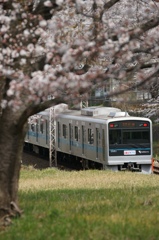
(42,45)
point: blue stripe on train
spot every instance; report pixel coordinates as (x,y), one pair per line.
(79,145)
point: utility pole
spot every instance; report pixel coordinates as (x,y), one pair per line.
(52,134)
(83,104)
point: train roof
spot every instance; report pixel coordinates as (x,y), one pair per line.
(95,112)
(62,107)
(90,113)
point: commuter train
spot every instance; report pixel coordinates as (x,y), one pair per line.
(95,137)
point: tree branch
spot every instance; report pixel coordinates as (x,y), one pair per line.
(34,109)
(109,4)
(148,78)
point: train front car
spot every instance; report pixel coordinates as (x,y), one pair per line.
(130,144)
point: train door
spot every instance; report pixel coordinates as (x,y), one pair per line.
(41,131)
(58,134)
(46,132)
(37,130)
(83,139)
(27,135)
(97,143)
(70,137)
(103,144)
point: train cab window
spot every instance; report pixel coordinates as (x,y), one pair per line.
(64,130)
(76,133)
(32,127)
(90,136)
(115,136)
(136,136)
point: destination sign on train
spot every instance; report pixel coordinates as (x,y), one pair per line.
(128,124)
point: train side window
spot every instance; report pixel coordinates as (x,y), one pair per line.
(90,136)
(37,129)
(32,127)
(76,133)
(46,132)
(28,131)
(64,128)
(41,126)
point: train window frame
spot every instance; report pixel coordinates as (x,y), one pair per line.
(90,136)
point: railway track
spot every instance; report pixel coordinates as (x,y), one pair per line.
(33,160)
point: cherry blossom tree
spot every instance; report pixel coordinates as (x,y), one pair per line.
(65,49)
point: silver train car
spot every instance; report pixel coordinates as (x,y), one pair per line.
(96,137)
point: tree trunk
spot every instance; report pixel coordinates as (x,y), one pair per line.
(11,145)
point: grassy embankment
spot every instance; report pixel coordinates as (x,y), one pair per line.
(85,205)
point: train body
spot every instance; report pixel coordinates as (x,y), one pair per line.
(101,137)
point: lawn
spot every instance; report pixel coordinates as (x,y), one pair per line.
(85,205)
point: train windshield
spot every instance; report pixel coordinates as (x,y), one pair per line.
(129,138)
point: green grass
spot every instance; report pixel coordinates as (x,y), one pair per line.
(97,205)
